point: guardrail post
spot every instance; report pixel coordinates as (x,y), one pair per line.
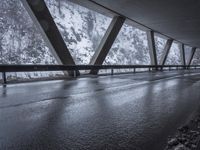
(75,75)
(134,70)
(112,71)
(4,77)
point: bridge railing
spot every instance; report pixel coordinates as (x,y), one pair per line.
(35,68)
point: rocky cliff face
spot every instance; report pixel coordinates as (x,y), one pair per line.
(20,41)
(82,30)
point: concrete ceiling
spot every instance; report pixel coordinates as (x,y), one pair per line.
(178,19)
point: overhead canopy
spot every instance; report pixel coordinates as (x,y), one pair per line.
(178,19)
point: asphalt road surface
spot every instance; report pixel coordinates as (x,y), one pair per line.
(135,111)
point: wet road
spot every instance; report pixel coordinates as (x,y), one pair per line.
(115,112)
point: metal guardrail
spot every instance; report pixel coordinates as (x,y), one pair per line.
(75,68)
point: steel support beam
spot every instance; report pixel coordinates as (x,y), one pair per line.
(152,47)
(182,51)
(192,55)
(107,42)
(41,16)
(166,51)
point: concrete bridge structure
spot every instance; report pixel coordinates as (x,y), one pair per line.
(132,110)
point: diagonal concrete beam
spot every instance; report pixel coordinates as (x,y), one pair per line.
(152,47)
(192,55)
(107,42)
(42,18)
(182,50)
(166,51)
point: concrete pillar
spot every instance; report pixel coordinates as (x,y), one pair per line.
(107,42)
(191,56)
(152,47)
(42,18)
(182,50)
(166,51)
